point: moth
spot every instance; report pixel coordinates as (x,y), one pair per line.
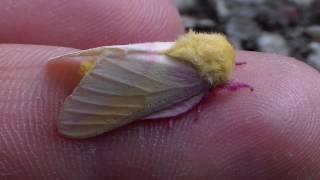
(125,83)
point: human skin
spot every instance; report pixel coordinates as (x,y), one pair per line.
(271,133)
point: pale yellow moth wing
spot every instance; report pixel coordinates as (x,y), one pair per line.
(115,49)
(124,87)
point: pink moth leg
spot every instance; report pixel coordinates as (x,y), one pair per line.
(233,85)
(239,63)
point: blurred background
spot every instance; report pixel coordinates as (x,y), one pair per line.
(287,27)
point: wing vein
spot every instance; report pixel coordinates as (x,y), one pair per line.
(81,100)
(92,90)
(85,123)
(138,95)
(137,73)
(114,79)
(96,113)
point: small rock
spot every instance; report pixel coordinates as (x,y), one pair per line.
(314,60)
(243,8)
(313,31)
(242,28)
(198,23)
(273,43)
(298,44)
(244,12)
(315,47)
(303,3)
(184,5)
(254,2)
(206,23)
(189,22)
(221,8)
(289,15)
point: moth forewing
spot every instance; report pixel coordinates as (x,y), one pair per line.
(126,84)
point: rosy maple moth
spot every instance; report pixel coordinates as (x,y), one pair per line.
(125,83)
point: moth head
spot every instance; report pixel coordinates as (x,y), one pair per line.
(211,54)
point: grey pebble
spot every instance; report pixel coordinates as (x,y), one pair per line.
(242,28)
(273,43)
(314,58)
(221,8)
(304,3)
(184,5)
(313,31)
(192,22)
(276,26)
(189,21)
(315,47)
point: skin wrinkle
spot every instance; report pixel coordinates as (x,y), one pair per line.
(206,142)
(91,23)
(220,128)
(22,117)
(63,157)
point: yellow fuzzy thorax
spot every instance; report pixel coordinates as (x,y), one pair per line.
(211,54)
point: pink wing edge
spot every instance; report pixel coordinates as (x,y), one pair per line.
(176,109)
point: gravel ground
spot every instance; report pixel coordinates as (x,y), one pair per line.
(287,27)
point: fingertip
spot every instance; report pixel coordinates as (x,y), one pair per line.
(81,24)
(237,135)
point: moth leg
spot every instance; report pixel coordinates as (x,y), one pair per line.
(233,85)
(239,63)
